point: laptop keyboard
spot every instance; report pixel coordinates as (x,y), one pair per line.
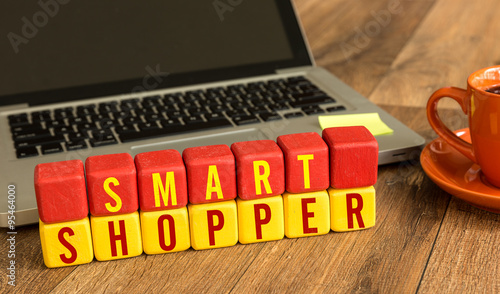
(93,125)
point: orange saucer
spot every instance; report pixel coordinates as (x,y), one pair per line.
(458,175)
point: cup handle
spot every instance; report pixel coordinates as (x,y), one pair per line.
(440,128)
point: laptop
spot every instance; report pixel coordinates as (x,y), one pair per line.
(98,77)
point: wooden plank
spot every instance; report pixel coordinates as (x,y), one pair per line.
(455,39)
(466,255)
(358,40)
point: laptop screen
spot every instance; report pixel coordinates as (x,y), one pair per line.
(57,50)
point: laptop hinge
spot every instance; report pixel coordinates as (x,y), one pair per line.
(294,69)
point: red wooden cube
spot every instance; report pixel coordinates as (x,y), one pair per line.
(353,156)
(306,162)
(161,179)
(211,173)
(60,191)
(260,169)
(112,184)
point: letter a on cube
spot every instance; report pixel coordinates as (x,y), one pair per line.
(306,214)
(60,191)
(306,162)
(161,179)
(260,220)
(353,156)
(165,231)
(211,173)
(213,225)
(352,209)
(260,169)
(112,184)
(116,236)
(66,243)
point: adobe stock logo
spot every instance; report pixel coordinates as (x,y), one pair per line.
(363,36)
(39,19)
(222,7)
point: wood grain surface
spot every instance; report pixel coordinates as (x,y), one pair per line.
(424,241)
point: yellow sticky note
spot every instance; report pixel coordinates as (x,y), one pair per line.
(371,121)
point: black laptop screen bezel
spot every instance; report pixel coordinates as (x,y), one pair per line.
(295,38)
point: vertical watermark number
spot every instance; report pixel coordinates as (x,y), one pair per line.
(11,235)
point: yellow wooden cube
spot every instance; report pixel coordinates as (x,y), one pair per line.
(116,236)
(66,243)
(165,230)
(260,220)
(213,225)
(306,214)
(352,209)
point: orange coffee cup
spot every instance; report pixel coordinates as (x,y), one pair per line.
(483,111)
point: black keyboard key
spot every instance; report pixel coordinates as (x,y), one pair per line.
(31,135)
(43,115)
(88,109)
(18,119)
(103,141)
(153,117)
(39,140)
(198,111)
(26,152)
(309,96)
(294,114)
(314,101)
(128,137)
(279,106)
(75,136)
(51,148)
(25,128)
(132,120)
(28,129)
(55,123)
(76,145)
(107,123)
(170,123)
(101,133)
(336,108)
(214,116)
(311,110)
(245,119)
(148,126)
(125,129)
(63,129)
(270,116)
(77,120)
(257,109)
(194,119)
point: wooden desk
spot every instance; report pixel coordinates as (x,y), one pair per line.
(424,241)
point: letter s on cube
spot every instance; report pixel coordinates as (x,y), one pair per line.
(112,184)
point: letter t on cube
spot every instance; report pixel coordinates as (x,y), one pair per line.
(306,162)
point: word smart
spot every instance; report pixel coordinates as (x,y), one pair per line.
(207,197)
